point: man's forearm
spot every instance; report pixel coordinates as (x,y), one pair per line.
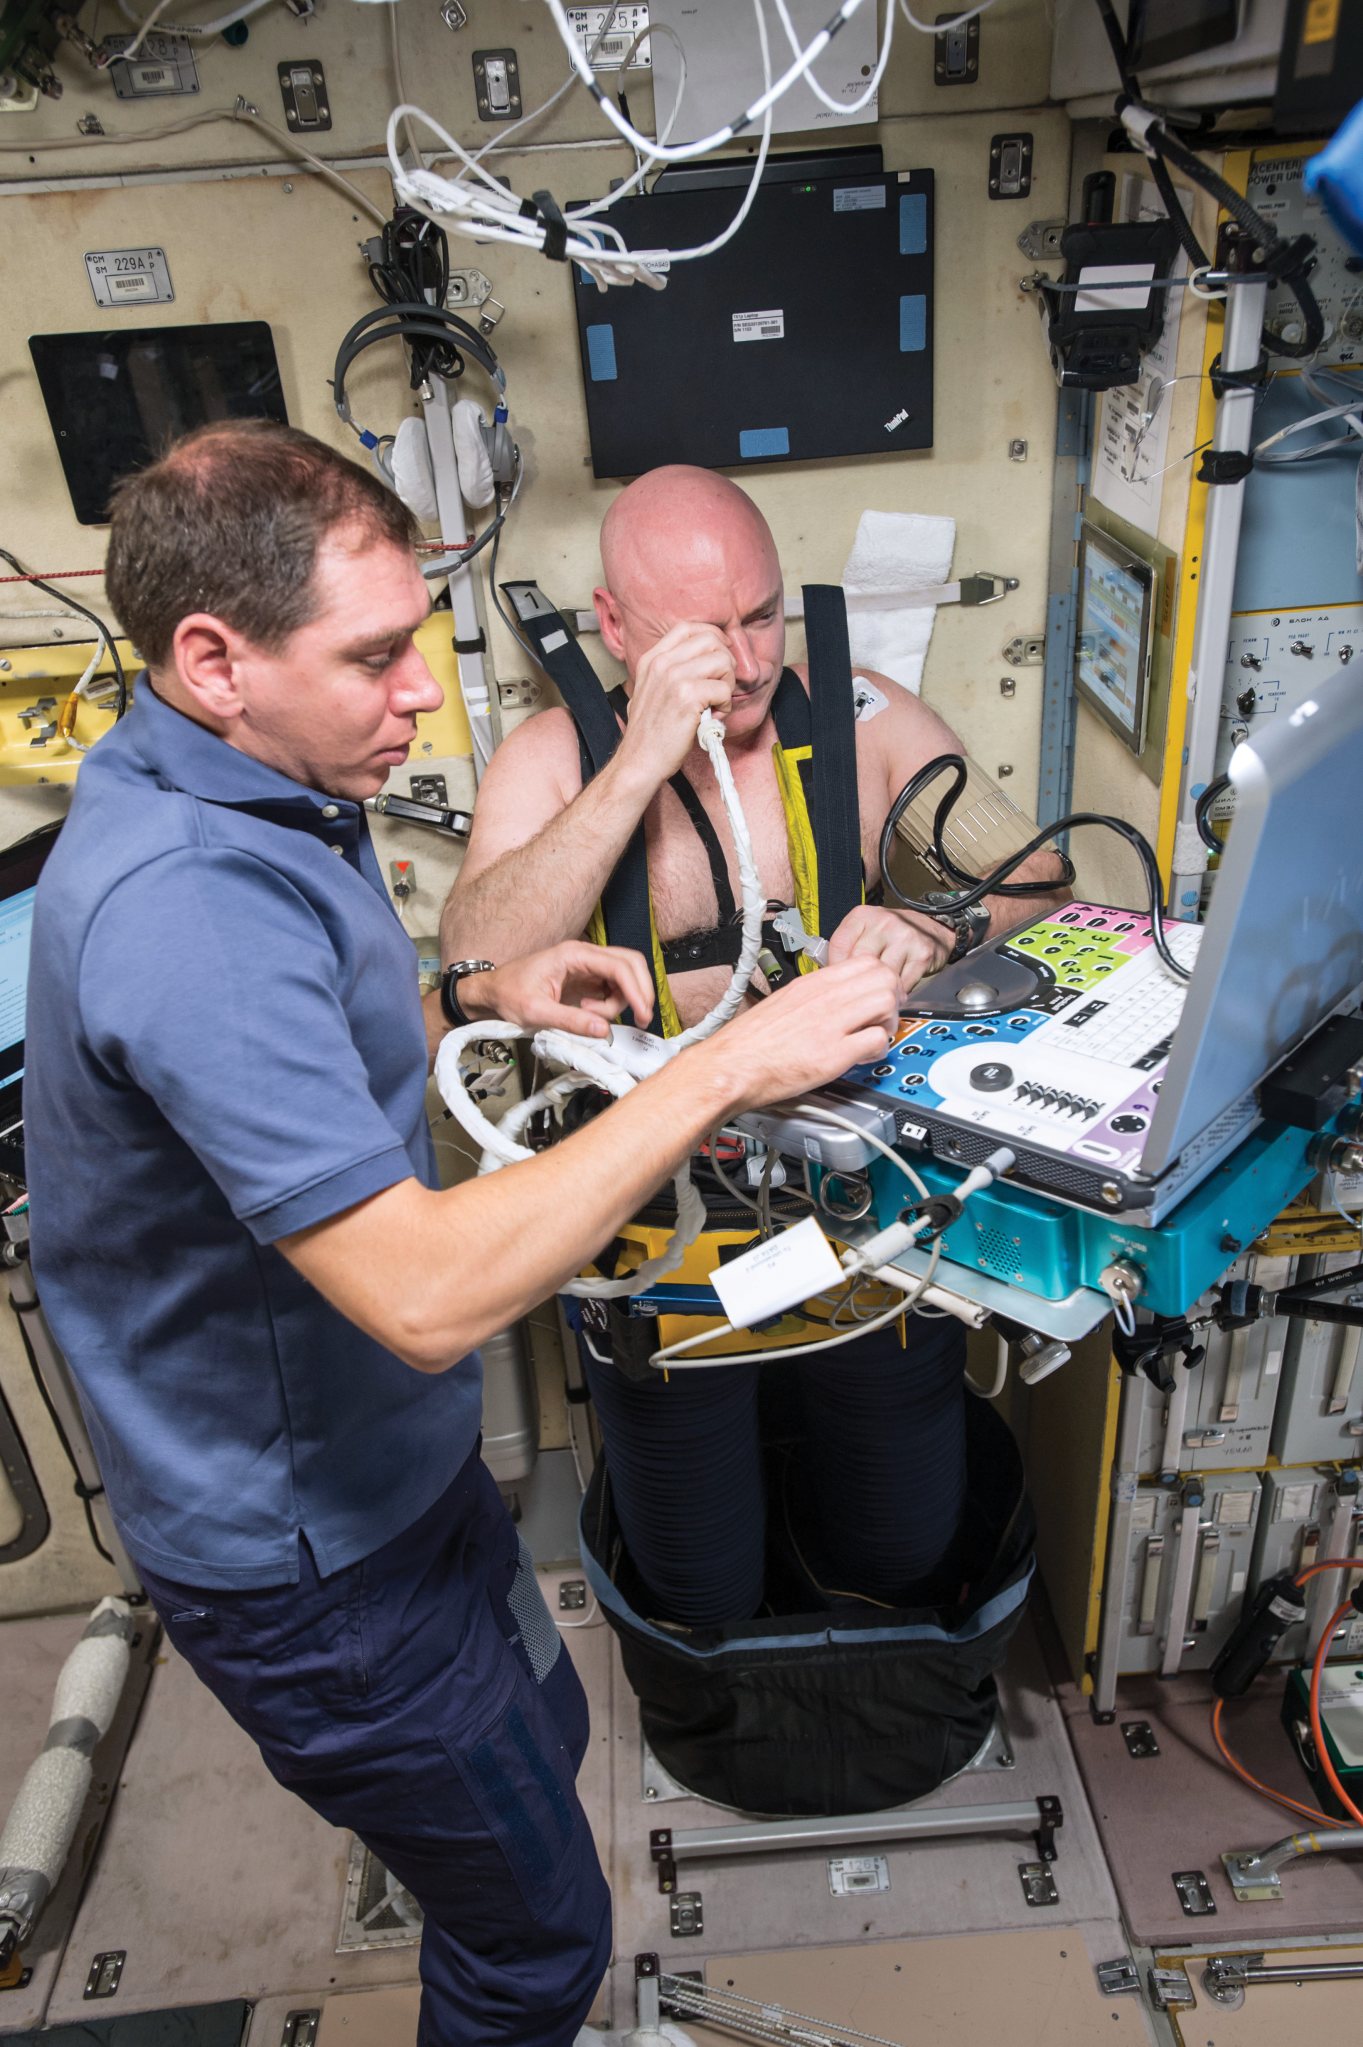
(475,1257)
(546,890)
(1009,913)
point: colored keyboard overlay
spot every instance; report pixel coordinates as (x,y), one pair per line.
(1078,1067)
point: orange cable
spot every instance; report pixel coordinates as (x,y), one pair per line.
(1317,1732)
(1278,1797)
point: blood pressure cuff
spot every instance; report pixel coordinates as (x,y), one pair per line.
(853,1709)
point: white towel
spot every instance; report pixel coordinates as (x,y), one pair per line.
(892,550)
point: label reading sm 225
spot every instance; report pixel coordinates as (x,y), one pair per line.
(129,277)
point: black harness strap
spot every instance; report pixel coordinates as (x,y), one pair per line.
(709,838)
(834,811)
(624,899)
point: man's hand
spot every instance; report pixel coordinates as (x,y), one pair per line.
(572,987)
(909,945)
(807,1034)
(689,671)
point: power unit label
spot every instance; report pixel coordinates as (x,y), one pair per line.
(760,326)
(130,277)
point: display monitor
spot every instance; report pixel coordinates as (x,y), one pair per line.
(1162,31)
(20,866)
(117,397)
(1112,642)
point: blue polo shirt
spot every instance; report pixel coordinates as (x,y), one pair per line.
(225,1044)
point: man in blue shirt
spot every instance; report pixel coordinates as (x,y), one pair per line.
(270,1306)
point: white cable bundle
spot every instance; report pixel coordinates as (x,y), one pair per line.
(42,1820)
(592,1063)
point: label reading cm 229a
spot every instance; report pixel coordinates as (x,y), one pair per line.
(130,277)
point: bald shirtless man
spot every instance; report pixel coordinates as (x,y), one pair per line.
(692,605)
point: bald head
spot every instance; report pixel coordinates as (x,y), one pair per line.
(682,546)
(679,526)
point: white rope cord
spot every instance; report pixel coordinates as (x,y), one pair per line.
(591,1063)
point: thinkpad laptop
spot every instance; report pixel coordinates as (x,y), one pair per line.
(1117,1086)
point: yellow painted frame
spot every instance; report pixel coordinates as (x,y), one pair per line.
(53,669)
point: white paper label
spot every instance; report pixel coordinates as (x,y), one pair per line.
(1295,1502)
(639,1052)
(1234,1510)
(1110,277)
(1142,1510)
(1273,1364)
(760,326)
(848,1874)
(857,198)
(776,1275)
(551,642)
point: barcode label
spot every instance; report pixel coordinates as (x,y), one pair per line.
(760,326)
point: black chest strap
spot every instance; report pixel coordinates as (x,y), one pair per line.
(624,899)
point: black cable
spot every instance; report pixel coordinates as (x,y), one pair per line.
(1323,1283)
(1204,804)
(84,1493)
(1284,259)
(105,632)
(413,268)
(991,884)
(1131,90)
(959,875)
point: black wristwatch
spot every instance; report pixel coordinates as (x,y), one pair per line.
(449,983)
(971,925)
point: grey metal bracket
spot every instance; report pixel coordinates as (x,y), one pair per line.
(1117,1978)
(1139,1737)
(1226,1977)
(1039,1817)
(1256,1873)
(1194,1893)
(1170,1988)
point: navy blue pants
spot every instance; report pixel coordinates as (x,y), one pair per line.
(420,1699)
(883,1457)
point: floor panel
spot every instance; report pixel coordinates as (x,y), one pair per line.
(783,1901)
(1032,1989)
(1182,1808)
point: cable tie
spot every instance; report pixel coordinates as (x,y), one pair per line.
(87,1492)
(1224,465)
(1257,379)
(555,227)
(1290,260)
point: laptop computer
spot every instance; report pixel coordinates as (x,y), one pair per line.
(20,866)
(1118,1087)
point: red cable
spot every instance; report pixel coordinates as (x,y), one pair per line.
(52,576)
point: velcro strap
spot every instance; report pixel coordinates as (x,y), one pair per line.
(1224,465)
(555,227)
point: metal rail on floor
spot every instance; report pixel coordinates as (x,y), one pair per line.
(670,1845)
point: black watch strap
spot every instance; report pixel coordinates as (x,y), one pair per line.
(454,973)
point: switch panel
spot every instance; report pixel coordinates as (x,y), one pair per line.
(1275,658)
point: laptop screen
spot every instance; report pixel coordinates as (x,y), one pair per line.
(1283,943)
(20,866)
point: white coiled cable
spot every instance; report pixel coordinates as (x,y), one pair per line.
(610,1064)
